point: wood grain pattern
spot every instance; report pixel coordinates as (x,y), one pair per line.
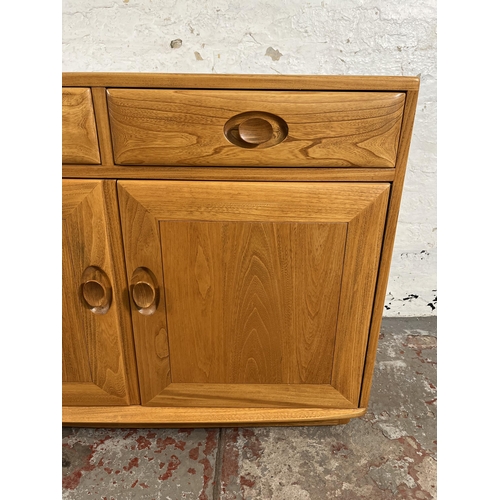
(79,136)
(121,297)
(251,396)
(318,269)
(141,243)
(364,240)
(243,304)
(388,244)
(263,82)
(158,417)
(252,302)
(253,201)
(74,192)
(176,127)
(75,359)
(88,394)
(281,174)
(89,240)
(102,121)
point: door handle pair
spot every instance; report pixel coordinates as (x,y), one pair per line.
(96,290)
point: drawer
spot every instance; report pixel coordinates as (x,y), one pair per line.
(255,128)
(79,134)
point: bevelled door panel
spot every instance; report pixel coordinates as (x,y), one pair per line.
(252,302)
(251,294)
(98,362)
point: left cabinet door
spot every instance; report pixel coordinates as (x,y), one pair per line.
(98,366)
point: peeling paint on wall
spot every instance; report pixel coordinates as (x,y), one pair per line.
(275,55)
(343,37)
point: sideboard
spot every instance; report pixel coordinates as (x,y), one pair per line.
(227,242)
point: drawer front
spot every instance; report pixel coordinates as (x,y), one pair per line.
(255,128)
(79,134)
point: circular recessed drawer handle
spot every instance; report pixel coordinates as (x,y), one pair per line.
(144,290)
(96,290)
(255,130)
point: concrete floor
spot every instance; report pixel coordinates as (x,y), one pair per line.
(389,453)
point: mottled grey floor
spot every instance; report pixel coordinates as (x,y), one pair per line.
(389,453)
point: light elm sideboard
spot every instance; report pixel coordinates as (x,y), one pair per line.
(227,242)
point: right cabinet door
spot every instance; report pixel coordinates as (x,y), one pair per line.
(251,294)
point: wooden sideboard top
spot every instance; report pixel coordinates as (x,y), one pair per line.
(251,81)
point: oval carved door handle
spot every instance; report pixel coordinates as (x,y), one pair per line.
(144,290)
(94,293)
(96,290)
(255,130)
(143,294)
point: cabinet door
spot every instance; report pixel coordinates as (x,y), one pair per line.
(98,364)
(249,294)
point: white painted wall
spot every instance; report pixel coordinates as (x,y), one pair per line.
(344,37)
